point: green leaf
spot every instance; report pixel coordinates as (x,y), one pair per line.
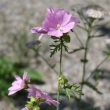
(75,50)
(35,75)
(4,85)
(66,38)
(84,60)
(101,35)
(54,38)
(54,49)
(50,107)
(95,108)
(76,89)
(91,86)
(67,94)
(107,53)
(62,80)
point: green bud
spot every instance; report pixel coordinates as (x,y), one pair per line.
(33,99)
(36,108)
(62,80)
(29,104)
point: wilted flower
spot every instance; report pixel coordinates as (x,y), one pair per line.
(18,84)
(56,23)
(38,94)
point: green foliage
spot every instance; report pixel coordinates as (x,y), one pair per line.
(32,74)
(95,108)
(50,107)
(75,50)
(62,80)
(68,88)
(107,52)
(66,38)
(58,43)
(91,86)
(33,103)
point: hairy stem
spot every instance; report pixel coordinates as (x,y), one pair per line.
(59,74)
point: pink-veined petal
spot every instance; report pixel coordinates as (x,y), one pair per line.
(66,19)
(17,77)
(56,33)
(68,27)
(39,30)
(40,36)
(24,75)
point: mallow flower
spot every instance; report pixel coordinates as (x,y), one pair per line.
(38,94)
(25,108)
(56,23)
(18,84)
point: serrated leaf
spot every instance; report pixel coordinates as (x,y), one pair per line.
(54,49)
(91,86)
(67,94)
(35,75)
(76,89)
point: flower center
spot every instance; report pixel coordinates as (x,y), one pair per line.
(59,27)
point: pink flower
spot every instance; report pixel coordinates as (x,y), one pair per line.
(18,84)
(56,23)
(25,108)
(35,92)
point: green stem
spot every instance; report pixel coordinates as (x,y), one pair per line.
(84,64)
(45,60)
(48,63)
(59,74)
(97,67)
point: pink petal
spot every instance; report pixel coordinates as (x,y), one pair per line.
(54,32)
(17,77)
(55,103)
(24,75)
(25,108)
(68,27)
(74,19)
(40,36)
(11,92)
(39,30)
(66,19)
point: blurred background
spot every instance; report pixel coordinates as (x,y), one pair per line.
(17,17)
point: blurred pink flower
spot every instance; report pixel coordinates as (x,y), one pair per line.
(18,84)
(56,23)
(35,92)
(25,108)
